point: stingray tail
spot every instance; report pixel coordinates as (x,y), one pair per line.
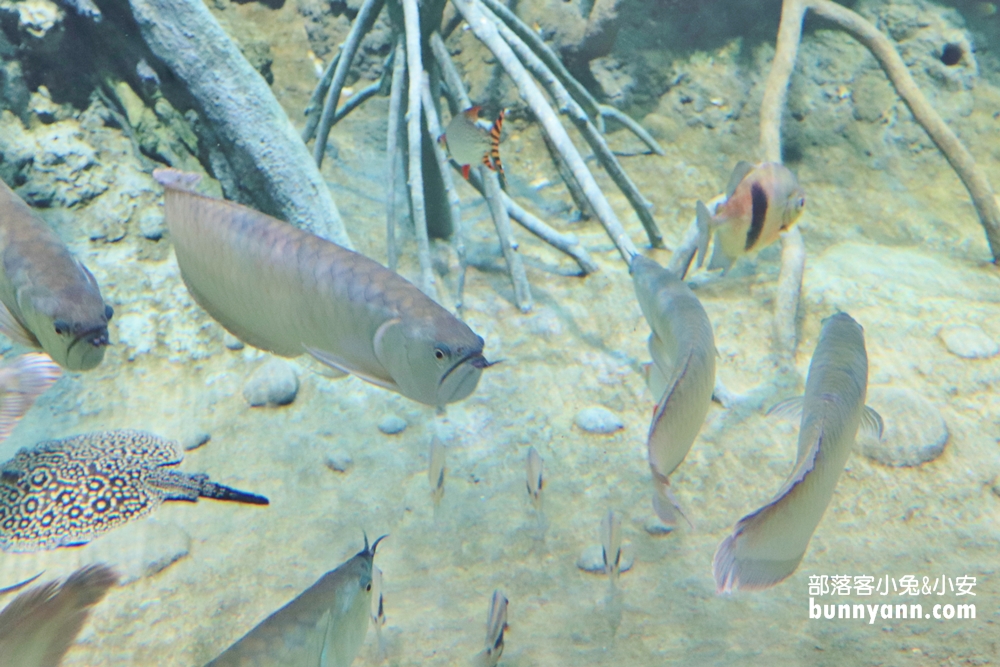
(210,489)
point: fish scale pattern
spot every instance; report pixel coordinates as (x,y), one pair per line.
(64,492)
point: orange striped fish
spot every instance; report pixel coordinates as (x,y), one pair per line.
(469,143)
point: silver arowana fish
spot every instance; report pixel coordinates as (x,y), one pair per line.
(682,375)
(325,626)
(39,625)
(289,292)
(761,202)
(48,298)
(766,546)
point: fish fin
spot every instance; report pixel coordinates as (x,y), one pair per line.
(665,503)
(90,276)
(740,172)
(871,423)
(39,626)
(175,179)
(494,155)
(720,260)
(11,327)
(472,113)
(465,171)
(704,221)
(21,382)
(758,215)
(339,364)
(790,408)
(16,587)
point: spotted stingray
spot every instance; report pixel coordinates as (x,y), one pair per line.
(66,492)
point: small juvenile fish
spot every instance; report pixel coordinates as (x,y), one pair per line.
(533,470)
(64,493)
(281,289)
(469,143)
(325,626)
(761,202)
(48,298)
(435,471)
(682,375)
(23,380)
(496,624)
(767,545)
(40,624)
(611,544)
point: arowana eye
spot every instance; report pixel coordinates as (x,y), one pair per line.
(438,353)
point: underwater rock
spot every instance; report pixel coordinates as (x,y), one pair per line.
(968,342)
(592,559)
(152,224)
(598,420)
(195,439)
(339,461)
(232,342)
(655,527)
(915,432)
(274,383)
(392,424)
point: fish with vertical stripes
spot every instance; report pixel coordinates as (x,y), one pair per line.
(766,546)
(762,202)
(470,143)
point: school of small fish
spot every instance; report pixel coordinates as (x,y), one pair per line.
(292,293)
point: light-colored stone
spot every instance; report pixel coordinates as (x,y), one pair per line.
(598,420)
(914,432)
(968,341)
(274,383)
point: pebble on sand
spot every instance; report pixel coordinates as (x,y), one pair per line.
(274,383)
(194,439)
(338,461)
(391,425)
(598,420)
(968,342)
(914,433)
(592,559)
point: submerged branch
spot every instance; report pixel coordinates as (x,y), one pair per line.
(451,78)
(569,106)
(486,31)
(363,22)
(515,267)
(415,175)
(567,243)
(393,151)
(454,203)
(958,156)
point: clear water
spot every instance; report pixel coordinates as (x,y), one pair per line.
(891,237)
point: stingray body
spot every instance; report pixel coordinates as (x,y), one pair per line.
(67,492)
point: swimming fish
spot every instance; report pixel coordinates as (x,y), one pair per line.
(767,545)
(496,624)
(682,375)
(611,544)
(533,473)
(22,380)
(48,298)
(435,471)
(67,492)
(289,292)
(40,624)
(761,202)
(325,626)
(469,143)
